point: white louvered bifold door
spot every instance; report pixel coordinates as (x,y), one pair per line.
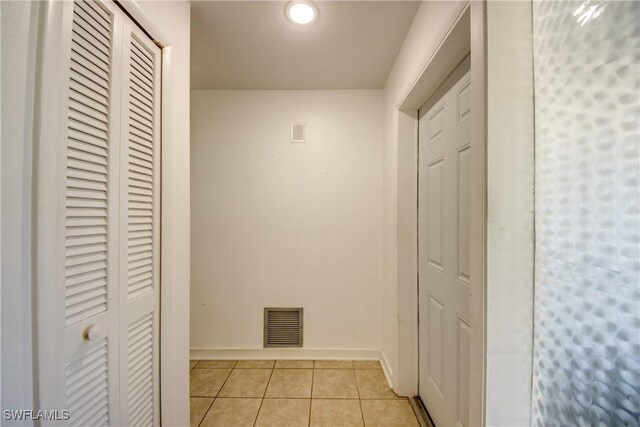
(140,230)
(91,222)
(98,229)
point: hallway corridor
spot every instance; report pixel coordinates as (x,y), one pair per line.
(294,393)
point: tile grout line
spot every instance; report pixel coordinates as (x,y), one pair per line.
(207,411)
(313,374)
(216,396)
(264,394)
(359,398)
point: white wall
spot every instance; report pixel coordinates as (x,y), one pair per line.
(430,26)
(281,224)
(19,20)
(510,239)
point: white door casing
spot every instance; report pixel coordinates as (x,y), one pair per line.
(92,337)
(443,245)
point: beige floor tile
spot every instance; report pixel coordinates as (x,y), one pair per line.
(283,413)
(333,364)
(215,364)
(255,364)
(336,413)
(207,382)
(372,384)
(388,413)
(198,407)
(334,383)
(192,364)
(292,383)
(246,383)
(294,364)
(366,364)
(232,413)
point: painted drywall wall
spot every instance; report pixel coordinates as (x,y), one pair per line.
(510,238)
(279,224)
(173,19)
(19,25)
(430,26)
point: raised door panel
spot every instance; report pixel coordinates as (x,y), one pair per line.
(434,217)
(462,371)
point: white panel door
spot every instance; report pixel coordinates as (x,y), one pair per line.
(443,236)
(139,292)
(98,218)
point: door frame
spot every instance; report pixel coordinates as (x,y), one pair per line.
(48,120)
(466,36)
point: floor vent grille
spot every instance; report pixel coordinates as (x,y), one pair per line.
(283,327)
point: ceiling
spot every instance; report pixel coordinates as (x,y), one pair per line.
(252,45)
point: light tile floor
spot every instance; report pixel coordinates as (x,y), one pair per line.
(294,393)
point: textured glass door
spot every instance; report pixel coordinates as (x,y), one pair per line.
(587,293)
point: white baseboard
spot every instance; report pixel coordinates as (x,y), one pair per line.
(284,354)
(386,369)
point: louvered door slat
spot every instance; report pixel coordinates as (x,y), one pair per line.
(140,107)
(95,32)
(90,68)
(85,17)
(142,117)
(141,124)
(139,51)
(84,130)
(99,117)
(86,267)
(81,193)
(140,240)
(137,161)
(78,136)
(90,41)
(85,58)
(87,387)
(143,81)
(88,101)
(83,231)
(142,95)
(99,17)
(89,164)
(139,156)
(140,370)
(84,259)
(141,132)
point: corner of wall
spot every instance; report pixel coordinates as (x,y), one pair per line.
(510,207)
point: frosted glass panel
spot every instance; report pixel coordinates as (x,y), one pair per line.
(587,294)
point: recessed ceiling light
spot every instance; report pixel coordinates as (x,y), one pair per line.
(302,13)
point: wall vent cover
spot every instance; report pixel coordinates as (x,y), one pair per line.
(283,327)
(297,132)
